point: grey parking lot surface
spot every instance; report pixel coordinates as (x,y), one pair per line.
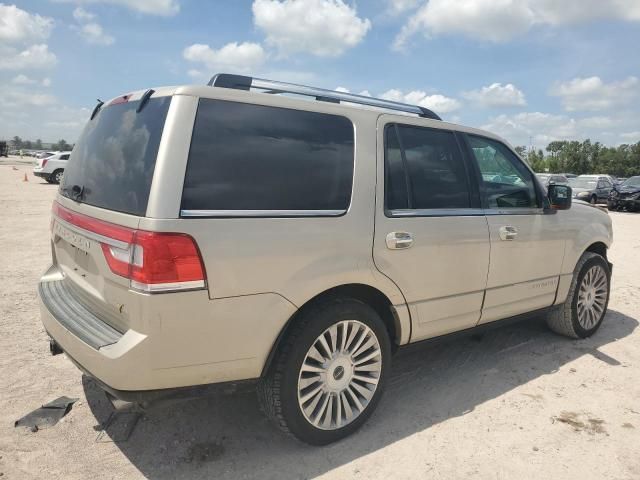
(517,402)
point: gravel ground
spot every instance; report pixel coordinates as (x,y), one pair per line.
(517,402)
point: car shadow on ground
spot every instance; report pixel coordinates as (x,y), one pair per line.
(227,436)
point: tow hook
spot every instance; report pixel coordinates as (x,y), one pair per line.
(54,348)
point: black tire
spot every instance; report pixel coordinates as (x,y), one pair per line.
(56,176)
(563,319)
(278,390)
(612,206)
(593,200)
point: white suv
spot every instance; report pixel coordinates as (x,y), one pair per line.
(52,167)
(227,233)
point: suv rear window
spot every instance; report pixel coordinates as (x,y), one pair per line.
(114,159)
(253,157)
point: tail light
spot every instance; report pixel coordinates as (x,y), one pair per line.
(44,162)
(152,261)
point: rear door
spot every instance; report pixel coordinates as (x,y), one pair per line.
(431,237)
(527,242)
(604,188)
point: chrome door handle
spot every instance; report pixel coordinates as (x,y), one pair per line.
(399,240)
(508,232)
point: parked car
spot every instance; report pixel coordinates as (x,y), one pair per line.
(591,188)
(547,179)
(230,235)
(626,195)
(52,167)
(40,155)
(568,175)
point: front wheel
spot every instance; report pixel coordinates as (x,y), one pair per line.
(329,373)
(582,313)
(593,200)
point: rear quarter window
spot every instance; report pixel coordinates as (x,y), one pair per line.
(259,158)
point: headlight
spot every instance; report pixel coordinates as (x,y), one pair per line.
(635,197)
(582,194)
(613,193)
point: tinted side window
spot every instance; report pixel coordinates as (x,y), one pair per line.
(396,182)
(507,182)
(436,174)
(64,157)
(253,157)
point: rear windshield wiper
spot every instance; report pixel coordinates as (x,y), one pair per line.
(144,99)
(96,109)
(74,192)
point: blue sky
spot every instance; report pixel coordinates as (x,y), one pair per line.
(530,70)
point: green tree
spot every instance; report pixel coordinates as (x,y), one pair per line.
(17,142)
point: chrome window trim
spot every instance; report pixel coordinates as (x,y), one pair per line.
(461,212)
(168,287)
(261,213)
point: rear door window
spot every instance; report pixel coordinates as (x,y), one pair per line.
(424,169)
(112,163)
(247,157)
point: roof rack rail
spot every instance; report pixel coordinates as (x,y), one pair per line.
(241,82)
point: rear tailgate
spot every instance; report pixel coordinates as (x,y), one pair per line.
(102,197)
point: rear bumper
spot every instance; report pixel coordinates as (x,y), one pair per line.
(188,339)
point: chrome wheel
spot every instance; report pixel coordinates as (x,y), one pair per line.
(592,297)
(339,375)
(58,177)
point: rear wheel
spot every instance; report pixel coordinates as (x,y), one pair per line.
(582,313)
(56,177)
(329,373)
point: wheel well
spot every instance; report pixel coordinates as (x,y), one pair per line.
(599,248)
(365,293)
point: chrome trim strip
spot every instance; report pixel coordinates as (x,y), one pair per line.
(461,212)
(262,213)
(93,236)
(437,212)
(166,287)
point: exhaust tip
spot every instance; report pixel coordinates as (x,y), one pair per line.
(54,348)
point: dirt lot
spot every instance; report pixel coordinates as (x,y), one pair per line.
(518,402)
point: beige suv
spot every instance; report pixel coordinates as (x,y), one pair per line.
(258,230)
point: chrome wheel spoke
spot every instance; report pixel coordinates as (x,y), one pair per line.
(592,297)
(339,375)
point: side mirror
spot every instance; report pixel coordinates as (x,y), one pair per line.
(559,196)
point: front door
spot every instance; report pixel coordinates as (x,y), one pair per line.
(527,241)
(431,236)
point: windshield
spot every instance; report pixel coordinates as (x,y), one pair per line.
(583,182)
(112,164)
(631,182)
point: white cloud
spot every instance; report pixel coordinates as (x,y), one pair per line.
(233,57)
(501,20)
(593,94)
(23,80)
(46,82)
(342,89)
(326,28)
(17,25)
(17,98)
(633,136)
(163,8)
(543,128)
(34,57)
(81,15)
(438,103)
(401,6)
(94,33)
(90,29)
(496,95)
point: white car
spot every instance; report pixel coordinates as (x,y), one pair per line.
(52,167)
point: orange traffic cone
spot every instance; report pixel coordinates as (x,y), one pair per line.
(25,179)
